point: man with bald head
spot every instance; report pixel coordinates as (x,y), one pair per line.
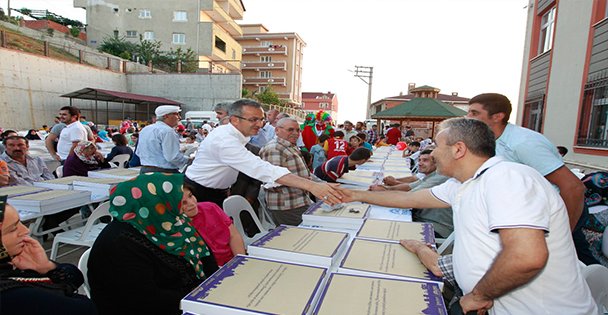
(286,204)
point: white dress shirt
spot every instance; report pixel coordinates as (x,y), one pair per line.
(223,155)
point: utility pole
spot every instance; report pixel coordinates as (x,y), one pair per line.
(366,75)
(8,8)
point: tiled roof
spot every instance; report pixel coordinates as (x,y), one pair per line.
(314,95)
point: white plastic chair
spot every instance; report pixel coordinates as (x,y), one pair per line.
(267,221)
(597,280)
(59,171)
(190,151)
(233,206)
(121,159)
(82,265)
(445,243)
(82,236)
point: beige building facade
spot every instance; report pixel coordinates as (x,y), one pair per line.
(207,27)
(272,60)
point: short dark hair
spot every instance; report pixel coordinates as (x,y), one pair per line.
(339,134)
(323,138)
(414,143)
(15,138)
(494,103)
(426,151)
(475,134)
(360,154)
(562,150)
(236,108)
(6,133)
(362,136)
(120,139)
(73,110)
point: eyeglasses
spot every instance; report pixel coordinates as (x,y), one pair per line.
(290,129)
(253,120)
(2,207)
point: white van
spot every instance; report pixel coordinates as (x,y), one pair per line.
(202,115)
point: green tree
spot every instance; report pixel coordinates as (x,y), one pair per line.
(148,50)
(268,96)
(117,46)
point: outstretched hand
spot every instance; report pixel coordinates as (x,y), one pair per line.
(328,193)
(474,302)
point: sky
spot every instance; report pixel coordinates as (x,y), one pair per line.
(464,46)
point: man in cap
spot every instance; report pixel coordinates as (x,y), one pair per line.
(158,145)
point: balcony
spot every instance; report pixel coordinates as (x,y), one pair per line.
(272,50)
(222,18)
(264,81)
(274,65)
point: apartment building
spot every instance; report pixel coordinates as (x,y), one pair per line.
(272,60)
(207,27)
(312,102)
(564,86)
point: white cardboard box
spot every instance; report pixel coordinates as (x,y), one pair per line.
(249,285)
(301,245)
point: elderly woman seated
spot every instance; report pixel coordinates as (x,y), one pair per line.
(85,158)
(29,282)
(150,256)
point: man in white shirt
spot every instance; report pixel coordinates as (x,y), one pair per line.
(73,133)
(513,253)
(223,154)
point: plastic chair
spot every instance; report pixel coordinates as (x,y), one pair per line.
(446,243)
(82,265)
(121,160)
(233,206)
(82,236)
(59,171)
(597,280)
(267,221)
(190,151)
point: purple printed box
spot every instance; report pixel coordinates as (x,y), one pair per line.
(385,259)
(249,285)
(390,230)
(375,295)
(301,245)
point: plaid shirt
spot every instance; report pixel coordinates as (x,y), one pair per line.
(372,136)
(282,153)
(447,268)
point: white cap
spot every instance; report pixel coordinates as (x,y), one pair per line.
(166,109)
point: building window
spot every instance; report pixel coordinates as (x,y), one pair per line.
(265,74)
(547,27)
(220,44)
(533,115)
(262,89)
(179,38)
(180,16)
(378,108)
(323,105)
(145,14)
(266,59)
(131,34)
(593,131)
(265,44)
(116,33)
(148,35)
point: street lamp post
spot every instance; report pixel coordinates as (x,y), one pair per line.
(366,75)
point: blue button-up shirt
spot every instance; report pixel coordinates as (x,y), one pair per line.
(35,171)
(158,146)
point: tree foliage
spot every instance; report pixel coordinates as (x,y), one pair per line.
(150,51)
(268,96)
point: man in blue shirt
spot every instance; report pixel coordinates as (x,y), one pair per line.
(158,144)
(525,146)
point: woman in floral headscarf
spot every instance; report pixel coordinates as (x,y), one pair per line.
(84,159)
(150,256)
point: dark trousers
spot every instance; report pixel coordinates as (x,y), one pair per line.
(203,193)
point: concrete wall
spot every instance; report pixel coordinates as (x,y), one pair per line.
(197,91)
(31,87)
